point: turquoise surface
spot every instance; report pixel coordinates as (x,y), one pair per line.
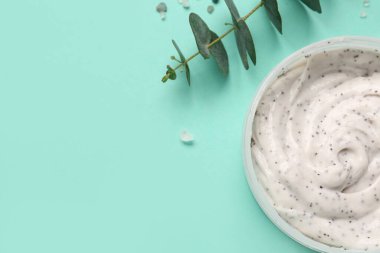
(90,156)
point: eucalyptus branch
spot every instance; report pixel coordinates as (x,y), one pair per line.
(253,10)
(210,44)
(166,77)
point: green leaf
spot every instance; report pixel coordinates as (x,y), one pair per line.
(171,73)
(240,42)
(201,33)
(315,5)
(239,37)
(271,7)
(203,37)
(250,46)
(243,36)
(219,53)
(183,60)
(164,79)
(233,10)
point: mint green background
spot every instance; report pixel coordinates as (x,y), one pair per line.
(90,157)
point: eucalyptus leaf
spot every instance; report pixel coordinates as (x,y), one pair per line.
(171,72)
(243,36)
(233,10)
(201,33)
(183,60)
(187,69)
(240,42)
(315,5)
(250,46)
(239,37)
(219,53)
(271,7)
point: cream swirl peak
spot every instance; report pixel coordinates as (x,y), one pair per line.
(316,141)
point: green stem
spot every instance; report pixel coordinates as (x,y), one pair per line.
(253,10)
(218,39)
(187,60)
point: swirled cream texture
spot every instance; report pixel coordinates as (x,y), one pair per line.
(316,143)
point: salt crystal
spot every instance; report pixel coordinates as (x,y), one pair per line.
(363,14)
(162,9)
(186,137)
(185,4)
(163,15)
(210,9)
(365,3)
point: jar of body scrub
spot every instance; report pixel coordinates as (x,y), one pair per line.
(312,145)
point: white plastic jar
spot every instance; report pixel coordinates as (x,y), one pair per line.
(252,167)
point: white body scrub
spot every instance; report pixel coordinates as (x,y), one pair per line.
(316,143)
